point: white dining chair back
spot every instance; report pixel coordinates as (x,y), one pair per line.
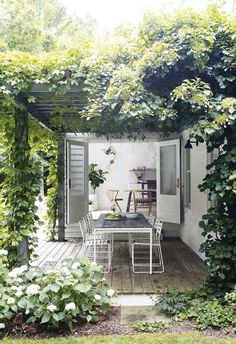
(103,246)
(140,251)
(158,225)
(152,218)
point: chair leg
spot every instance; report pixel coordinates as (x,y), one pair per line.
(159,264)
(118,206)
(161,260)
(150,208)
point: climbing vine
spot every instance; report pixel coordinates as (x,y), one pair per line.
(218,129)
(169,74)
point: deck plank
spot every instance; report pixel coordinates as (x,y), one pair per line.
(183,268)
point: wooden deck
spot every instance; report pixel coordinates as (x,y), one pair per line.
(183,268)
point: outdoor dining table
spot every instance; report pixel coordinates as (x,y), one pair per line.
(124,225)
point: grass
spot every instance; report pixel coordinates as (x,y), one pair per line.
(138,339)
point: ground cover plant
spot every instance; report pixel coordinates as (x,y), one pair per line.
(150,327)
(201,307)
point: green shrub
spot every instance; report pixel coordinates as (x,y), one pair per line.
(47,296)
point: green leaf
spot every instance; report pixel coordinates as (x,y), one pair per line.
(83,287)
(22,303)
(54,287)
(89,318)
(46,317)
(55,316)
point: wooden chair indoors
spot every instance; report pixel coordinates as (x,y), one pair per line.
(112,195)
(142,199)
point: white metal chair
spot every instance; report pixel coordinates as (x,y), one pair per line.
(141,254)
(152,218)
(103,245)
(90,230)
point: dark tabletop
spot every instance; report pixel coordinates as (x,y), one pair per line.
(139,222)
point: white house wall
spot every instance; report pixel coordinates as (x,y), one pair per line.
(190,231)
(129,155)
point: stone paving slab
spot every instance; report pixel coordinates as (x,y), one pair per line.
(134,314)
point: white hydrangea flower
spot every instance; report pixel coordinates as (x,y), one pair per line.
(11,301)
(65,270)
(70,306)
(52,308)
(2,326)
(19,280)
(3,253)
(22,269)
(76,265)
(110,292)
(14,287)
(13,273)
(19,293)
(17,271)
(97,297)
(33,289)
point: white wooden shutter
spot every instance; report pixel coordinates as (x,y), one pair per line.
(77,180)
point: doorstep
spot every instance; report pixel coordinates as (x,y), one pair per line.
(139,308)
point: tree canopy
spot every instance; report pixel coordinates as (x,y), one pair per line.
(37,26)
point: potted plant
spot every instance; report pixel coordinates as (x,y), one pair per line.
(112,152)
(96,178)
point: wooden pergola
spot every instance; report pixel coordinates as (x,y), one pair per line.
(48,107)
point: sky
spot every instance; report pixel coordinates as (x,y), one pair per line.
(111,13)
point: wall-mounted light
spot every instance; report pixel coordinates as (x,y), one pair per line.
(188,144)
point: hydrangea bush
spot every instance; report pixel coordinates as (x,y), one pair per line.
(48,296)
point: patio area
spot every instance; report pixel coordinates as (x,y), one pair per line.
(183,268)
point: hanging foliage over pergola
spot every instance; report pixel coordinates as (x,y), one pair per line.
(171,73)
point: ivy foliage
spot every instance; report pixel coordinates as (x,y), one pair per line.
(168,74)
(21,186)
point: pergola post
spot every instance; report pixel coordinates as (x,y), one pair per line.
(61,188)
(21,151)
